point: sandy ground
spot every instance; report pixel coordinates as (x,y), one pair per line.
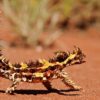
(86,75)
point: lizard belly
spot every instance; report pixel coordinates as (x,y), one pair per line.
(37,76)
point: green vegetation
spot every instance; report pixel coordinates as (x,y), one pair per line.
(30,17)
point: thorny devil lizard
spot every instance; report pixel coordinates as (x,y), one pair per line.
(41,70)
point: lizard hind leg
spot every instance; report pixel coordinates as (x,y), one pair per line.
(12,88)
(48,85)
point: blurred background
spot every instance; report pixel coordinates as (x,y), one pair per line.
(39,23)
(33,29)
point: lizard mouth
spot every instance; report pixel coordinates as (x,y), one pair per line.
(79,57)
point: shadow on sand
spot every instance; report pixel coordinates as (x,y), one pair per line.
(36,92)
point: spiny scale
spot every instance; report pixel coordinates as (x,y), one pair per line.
(42,70)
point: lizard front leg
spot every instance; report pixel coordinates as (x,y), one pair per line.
(13,86)
(67,81)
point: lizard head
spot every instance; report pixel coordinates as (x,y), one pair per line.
(76,57)
(69,58)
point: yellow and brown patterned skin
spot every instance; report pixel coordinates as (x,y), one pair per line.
(42,70)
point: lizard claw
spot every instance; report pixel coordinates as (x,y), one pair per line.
(9,91)
(77,88)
